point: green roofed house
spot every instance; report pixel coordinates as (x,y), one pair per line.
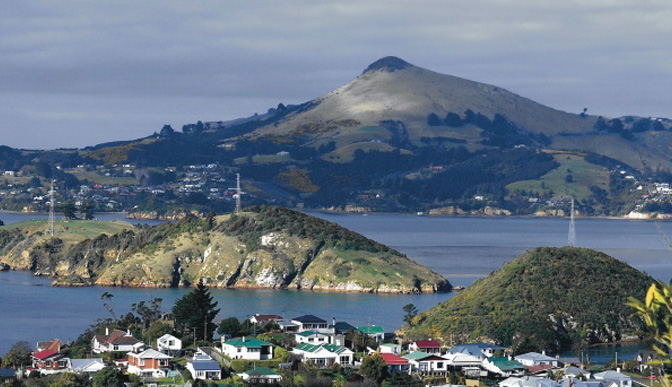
(248,348)
(503,366)
(427,364)
(260,375)
(324,355)
(375,331)
(311,337)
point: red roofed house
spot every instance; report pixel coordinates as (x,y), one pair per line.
(117,341)
(55,345)
(428,346)
(396,363)
(49,362)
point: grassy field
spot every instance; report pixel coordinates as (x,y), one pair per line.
(584,175)
(72,231)
(346,153)
(265,159)
(97,178)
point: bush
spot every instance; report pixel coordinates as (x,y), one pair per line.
(241,365)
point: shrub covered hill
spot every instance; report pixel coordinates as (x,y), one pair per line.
(547,298)
(263,247)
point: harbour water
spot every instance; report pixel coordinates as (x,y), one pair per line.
(461,249)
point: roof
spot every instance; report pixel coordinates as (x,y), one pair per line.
(168,336)
(611,375)
(392,359)
(474,349)
(371,329)
(309,318)
(150,354)
(427,344)
(310,333)
(118,337)
(247,342)
(267,317)
(313,348)
(417,355)
(82,364)
(261,371)
(47,353)
(504,364)
(342,326)
(538,368)
(535,356)
(7,373)
(205,365)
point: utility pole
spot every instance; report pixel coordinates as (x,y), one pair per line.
(51,209)
(238,195)
(571,237)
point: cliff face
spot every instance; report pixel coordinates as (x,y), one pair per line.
(266,248)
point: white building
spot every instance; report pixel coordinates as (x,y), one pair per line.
(168,343)
(324,355)
(247,348)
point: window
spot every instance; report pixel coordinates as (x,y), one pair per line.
(345,360)
(116,347)
(310,339)
(439,364)
(239,349)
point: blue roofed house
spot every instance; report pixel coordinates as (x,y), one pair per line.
(203,367)
(309,322)
(7,374)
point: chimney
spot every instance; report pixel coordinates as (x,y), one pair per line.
(107,331)
(243,339)
(128,331)
(543,352)
(333,321)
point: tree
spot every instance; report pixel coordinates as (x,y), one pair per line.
(229,326)
(433,120)
(149,313)
(69,210)
(399,378)
(106,297)
(453,120)
(108,377)
(86,209)
(657,313)
(18,355)
(166,131)
(373,367)
(196,310)
(411,312)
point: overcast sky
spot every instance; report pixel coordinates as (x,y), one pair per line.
(81,72)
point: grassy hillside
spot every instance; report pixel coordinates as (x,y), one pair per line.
(548,298)
(265,247)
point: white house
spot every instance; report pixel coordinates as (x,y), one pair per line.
(204,367)
(535,359)
(311,337)
(86,366)
(615,377)
(117,341)
(260,375)
(168,343)
(248,348)
(324,355)
(427,364)
(503,366)
(528,381)
(390,348)
(309,322)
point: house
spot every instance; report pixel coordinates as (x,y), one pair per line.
(503,366)
(149,363)
(117,341)
(396,363)
(260,375)
(342,327)
(427,364)
(390,348)
(311,337)
(168,343)
(262,319)
(429,346)
(309,322)
(55,345)
(528,381)
(470,355)
(86,367)
(248,348)
(49,362)
(7,374)
(536,359)
(324,355)
(203,367)
(614,378)
(375,331)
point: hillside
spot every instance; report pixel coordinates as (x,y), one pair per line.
(397,138)
(547,298)
(265,247)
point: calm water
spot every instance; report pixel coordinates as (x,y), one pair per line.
(462,249)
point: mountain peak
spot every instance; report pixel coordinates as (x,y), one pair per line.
(388,63)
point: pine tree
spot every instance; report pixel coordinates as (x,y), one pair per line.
(195,312)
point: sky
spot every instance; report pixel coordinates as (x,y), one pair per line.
(82,72)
